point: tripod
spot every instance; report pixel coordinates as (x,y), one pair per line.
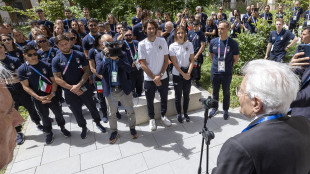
(207,136)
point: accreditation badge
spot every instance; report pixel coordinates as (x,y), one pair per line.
(221,66)
(271,48)
(114,76)
(308,23)
(294,18)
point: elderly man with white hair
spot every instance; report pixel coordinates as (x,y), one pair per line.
(273,142)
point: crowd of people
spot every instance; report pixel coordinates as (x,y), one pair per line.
(85,61)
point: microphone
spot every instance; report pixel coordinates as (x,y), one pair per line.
(209,102)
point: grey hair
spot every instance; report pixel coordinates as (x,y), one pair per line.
(169,23)
(5,75)
(198,7)
(210,18)
(274,83)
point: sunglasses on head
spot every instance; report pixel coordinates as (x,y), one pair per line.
(8,39)
(34,54)
(42,41)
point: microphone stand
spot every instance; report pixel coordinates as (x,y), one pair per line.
(207,136)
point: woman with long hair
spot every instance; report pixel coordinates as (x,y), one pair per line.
(11,48)
(112,21)
(182,56)
(46,32)
(20,39)
(75,26)
(58,29)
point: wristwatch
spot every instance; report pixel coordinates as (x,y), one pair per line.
(161,74)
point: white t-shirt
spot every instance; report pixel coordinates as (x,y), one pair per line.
(154,53)
(182,53)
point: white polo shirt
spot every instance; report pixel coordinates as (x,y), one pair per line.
(182,53)
(154,53)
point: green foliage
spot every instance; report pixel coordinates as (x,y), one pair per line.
(253,46)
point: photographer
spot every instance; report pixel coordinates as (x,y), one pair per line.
(236,24)
(273,143)
(252,20)
(301,106)
(112,64)
(182,56)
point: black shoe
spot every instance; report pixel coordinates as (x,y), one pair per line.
(65,132)
(40,127)
(113,137)
(187,118)
(118,115)
(197,84)
(84,132)
(49,138)
(133,133)
(213,112)
(180,119)
(20,138)
(100,127)
(225,115)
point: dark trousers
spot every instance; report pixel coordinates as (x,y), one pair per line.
(150,89)
(43,109)
(75,103)
(294,27)
(137,81)
(196,72)
(22,98)
(181,85)
(217,81)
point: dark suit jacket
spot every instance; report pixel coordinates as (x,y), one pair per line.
(279,146)
(301,106)
(124,68)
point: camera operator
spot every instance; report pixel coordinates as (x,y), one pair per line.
(301,106)
(272,142)
(113,65)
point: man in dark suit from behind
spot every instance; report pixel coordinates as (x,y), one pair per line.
(273,143)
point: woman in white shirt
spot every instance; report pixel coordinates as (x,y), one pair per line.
(182,56)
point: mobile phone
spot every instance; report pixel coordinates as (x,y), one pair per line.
(304,48)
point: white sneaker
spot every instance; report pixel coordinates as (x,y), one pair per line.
(152,125)
(166,121)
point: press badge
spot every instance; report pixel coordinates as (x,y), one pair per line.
(221,66)
(294,18)
(271,47)
(114,76)
(308,23)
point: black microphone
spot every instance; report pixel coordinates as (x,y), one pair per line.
(209,102)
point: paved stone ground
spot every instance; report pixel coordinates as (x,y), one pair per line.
(171,150)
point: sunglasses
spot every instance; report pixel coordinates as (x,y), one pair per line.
(34,54)
(92,25)
(71,38)
(8,39)
(128,35)
(42,41)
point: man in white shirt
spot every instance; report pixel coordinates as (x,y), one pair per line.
(153,56)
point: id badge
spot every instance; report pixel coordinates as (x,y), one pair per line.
(221,66)
(114,76)
(272,48)
(308,23)
(294,18)
(231,31)
(138,65)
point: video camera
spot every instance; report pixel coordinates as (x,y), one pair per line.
(115,48)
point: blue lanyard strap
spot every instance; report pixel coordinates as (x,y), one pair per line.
(49,53)
(134,47)
(67,65)
(219,48)
(278,36)
(195,36)
(307,80)
(113,65)
(91,36)
(272,117)
(40,74)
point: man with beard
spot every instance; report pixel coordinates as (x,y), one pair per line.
(89,40)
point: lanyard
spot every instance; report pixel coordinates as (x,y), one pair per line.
(40,74)
(278,36)
(113,65)
(134,47)
(267,16)
(91,36)
(49,53)
(45,22)
(272,117)
(295,11)
(253,20)
(219,49)
(67,65)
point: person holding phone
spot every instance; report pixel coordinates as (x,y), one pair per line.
(236,24)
